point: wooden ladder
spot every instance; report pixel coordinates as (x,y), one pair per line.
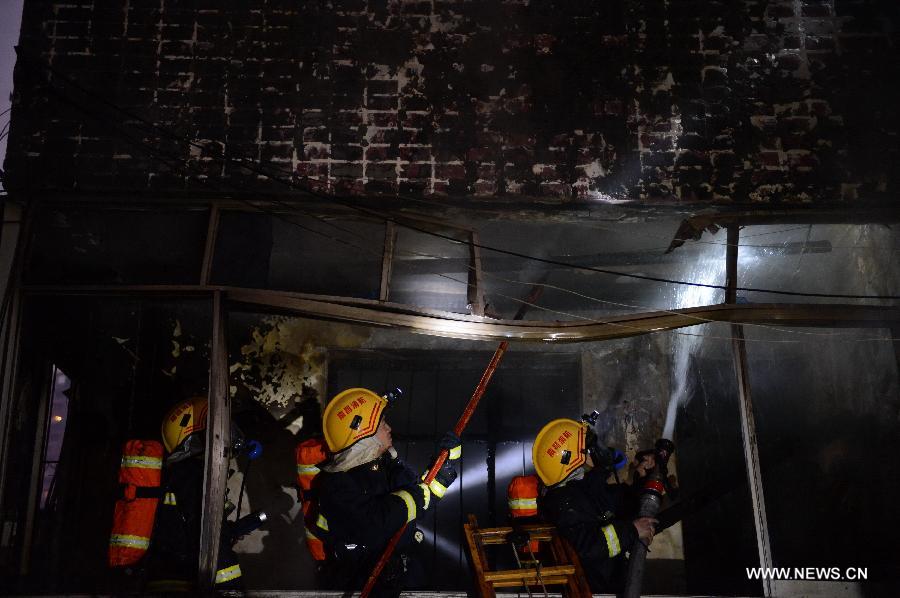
(564,570)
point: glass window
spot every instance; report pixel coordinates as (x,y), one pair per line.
(429,271)
(831,259)
(826,414)
(85,245)
(56,430)
(681,385)
(573,291)
(320,255)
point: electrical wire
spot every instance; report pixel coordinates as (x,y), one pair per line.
(167,159)
(451,239)
(347,202)
(699,319)
(466,283)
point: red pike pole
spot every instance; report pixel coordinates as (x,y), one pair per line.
(458,430)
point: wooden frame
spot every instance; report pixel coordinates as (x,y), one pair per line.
(475,290)
(36,478)
(748,420)
(387,261)
(453,325)
(10,326)
(218,443)
(212,232)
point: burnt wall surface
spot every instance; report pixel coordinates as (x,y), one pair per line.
(671,100)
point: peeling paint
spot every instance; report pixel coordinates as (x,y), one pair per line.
(286,355)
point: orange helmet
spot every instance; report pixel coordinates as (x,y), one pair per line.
(351,416)
(559,449)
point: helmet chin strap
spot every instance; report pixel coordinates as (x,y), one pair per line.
(193,445)
(574,476)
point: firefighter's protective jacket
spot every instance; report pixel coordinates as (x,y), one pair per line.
(593,517)
(363,507)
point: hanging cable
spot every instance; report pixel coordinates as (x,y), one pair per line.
(154,152)
(159,155)
(348,203)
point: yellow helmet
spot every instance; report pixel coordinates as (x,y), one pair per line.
(351,416)
(559,449)
(183,420)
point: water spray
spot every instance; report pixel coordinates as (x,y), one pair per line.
(654,487)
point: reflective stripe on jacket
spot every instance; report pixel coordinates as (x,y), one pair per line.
(522,498)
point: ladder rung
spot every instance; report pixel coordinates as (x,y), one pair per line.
(529,574)
(548,581)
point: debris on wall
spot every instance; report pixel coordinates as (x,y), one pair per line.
(285,358)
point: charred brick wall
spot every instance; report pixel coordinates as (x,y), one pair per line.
(670,100)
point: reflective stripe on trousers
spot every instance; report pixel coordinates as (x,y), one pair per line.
(228,573)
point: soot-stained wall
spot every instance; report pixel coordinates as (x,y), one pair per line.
(670,100)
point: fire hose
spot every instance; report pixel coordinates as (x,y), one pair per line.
(458,430)
(648,506)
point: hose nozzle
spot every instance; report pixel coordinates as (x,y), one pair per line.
(664,449)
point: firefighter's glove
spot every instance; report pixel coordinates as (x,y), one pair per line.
(453,444)
(446,475)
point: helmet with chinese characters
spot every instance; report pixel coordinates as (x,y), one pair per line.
(352,415)
(183,428)
(559,450)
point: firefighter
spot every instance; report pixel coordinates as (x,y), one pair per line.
(366,494)
(591,514)
(175,546)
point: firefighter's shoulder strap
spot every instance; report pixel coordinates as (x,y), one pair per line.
(310,453)
(140,474)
